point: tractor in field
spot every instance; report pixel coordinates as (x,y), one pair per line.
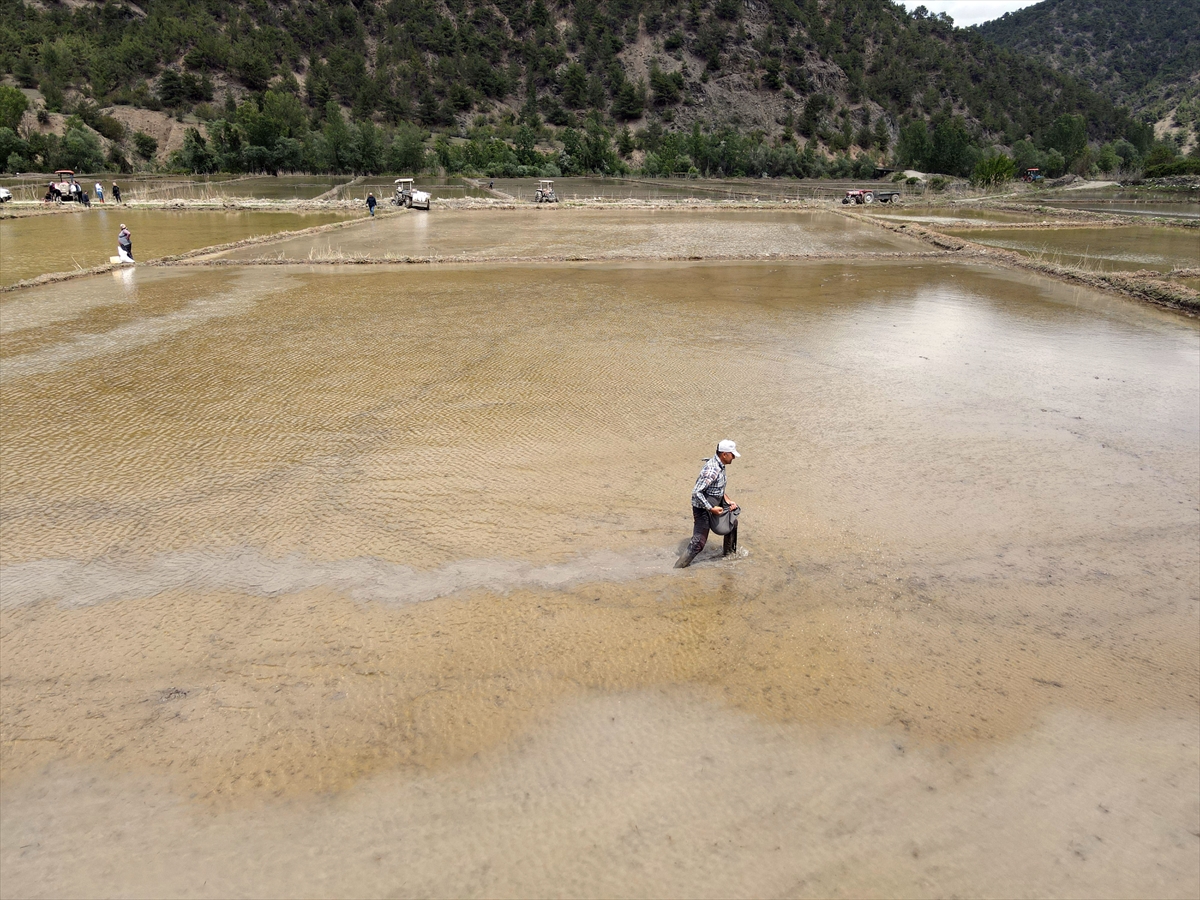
(408,196)
(869,195)
(545,192)
(64,189)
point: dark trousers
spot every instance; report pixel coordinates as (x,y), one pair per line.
(700,533)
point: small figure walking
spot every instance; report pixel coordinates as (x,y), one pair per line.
(99,192)
(371,203)
(116,192)
(708,496)
(124,245)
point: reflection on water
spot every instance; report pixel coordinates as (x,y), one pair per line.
(944,215)
(559,233)
(1106,249)
(59,243)
(384,555)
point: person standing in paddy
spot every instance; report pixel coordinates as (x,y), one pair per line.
(124,245)
(371,204)
(708,496)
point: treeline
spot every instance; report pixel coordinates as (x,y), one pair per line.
(275,132)
(947,146)
(274,136)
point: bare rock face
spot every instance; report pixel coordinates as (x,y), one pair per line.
(161,126)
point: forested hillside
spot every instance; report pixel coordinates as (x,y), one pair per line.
(1144,54)
(796,87)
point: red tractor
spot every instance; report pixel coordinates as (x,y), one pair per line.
(870,196)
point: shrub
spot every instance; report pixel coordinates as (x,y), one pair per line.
(1187,166)
(993,170)
(144,144)
(110,128)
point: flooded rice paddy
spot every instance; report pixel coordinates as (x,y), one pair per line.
(439,187)
(555,233)
(674,189)
(1165,208)
(192,187)
(941,215)
(1123,248)
(358,580)
(38,245)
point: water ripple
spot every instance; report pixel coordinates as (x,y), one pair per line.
(247,570)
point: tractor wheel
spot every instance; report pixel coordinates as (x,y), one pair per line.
(408,202)
(868,197)
(537,197)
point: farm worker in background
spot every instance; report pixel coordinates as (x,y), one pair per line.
(116,192)
(125,244)
(709,496)
(84,198)
(371,203)
(99,192)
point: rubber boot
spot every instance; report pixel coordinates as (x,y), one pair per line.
(686,559)
(730,543)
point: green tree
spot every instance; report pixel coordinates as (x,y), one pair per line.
(575,86)
(883,137)
(913,148)
(630,101)
(145,145)
(13,151)
(950,148)
(341,141)
(79,149)
(12,107)
(195,155)
(993,170)
(406,153)
(1068,135)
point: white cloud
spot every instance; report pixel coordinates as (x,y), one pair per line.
(968,12)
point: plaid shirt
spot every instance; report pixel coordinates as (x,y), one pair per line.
(710,486)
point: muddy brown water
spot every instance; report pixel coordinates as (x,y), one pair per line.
(554,233)
(1126,248)
(1179,209)
(358,581)
(196,187)
(674,189)
(39,245)
(947,215)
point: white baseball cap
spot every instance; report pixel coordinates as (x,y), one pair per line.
(728,447)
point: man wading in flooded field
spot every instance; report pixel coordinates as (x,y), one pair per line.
(708,496)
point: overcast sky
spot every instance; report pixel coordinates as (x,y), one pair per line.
(968,12)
